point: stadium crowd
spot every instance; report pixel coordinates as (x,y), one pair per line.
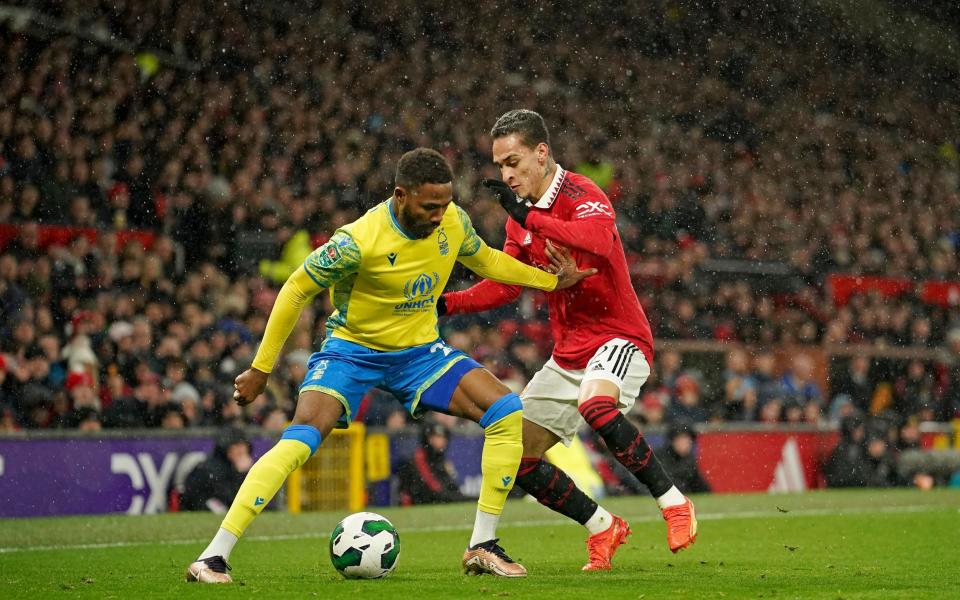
(712,146)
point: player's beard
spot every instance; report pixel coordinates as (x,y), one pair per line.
(425,231)
(420,230)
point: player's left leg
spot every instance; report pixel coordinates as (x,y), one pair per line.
(611,382)
(438,377)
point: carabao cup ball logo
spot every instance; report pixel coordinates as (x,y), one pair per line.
(420,286)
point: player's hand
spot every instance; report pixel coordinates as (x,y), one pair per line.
(248,385)
(565,268)
(515,206)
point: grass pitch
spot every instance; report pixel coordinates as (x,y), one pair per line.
(857,544)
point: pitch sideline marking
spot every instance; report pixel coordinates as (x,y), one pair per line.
(750,514)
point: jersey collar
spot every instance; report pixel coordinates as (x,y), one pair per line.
(548,197)
(393,220)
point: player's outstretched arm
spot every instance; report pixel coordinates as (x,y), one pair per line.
(500,266)
(325,266)
(485,295)
(298,290)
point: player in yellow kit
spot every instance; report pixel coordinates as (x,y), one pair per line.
(384,272)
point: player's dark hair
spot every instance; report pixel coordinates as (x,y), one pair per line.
(421,166)
(526,124)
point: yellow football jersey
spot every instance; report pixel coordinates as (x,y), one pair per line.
(384,283)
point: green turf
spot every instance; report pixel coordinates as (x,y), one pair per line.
(859,544)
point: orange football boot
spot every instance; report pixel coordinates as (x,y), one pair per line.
(681,525)
(602,546)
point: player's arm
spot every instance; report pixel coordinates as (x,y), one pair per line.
(485,295)
(593,230)
(499,266)
(488,263)
(594,234)
(325,266)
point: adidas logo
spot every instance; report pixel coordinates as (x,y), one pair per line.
(258,501)
(392,257)
(788,476)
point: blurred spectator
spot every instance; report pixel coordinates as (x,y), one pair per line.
(848,465)
(669,365)
(855,383)
(799,384)
(428,477)
(274,420)
(914,393)
(771,411)
(951,395)
(170,416)
(213,484)
(813,414)
(909,436)
(650,409)
(83,398)
(792,412)
(680,461)
(881,468)
(187,399)
(739,388)
(686,407)
(88,419)
(765,378)
(8,420)
(396,421)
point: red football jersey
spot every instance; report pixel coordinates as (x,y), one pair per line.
(576,214)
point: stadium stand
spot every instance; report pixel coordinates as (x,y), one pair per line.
(162,165)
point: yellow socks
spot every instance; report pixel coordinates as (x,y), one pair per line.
(502,450)
(266,476)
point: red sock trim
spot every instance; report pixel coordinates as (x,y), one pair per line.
(527,465)
(599,410)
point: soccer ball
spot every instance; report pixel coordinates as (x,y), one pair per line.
(364,546)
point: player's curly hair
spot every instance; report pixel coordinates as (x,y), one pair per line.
(527,124)
(420,166)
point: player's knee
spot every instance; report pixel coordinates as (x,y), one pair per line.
(306,434)
(536,439)
(599,411)
(318,410)
(598,387)
(508,405)
(531,448)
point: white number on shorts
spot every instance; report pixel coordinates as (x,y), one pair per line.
(442,347)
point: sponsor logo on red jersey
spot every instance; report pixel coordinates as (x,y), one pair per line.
(592,208)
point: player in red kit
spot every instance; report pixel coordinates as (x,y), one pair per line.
(603,346)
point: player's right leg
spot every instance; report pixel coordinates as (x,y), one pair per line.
(316,415)
(611,382)
(437,377)
(482,398)
(551,415)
